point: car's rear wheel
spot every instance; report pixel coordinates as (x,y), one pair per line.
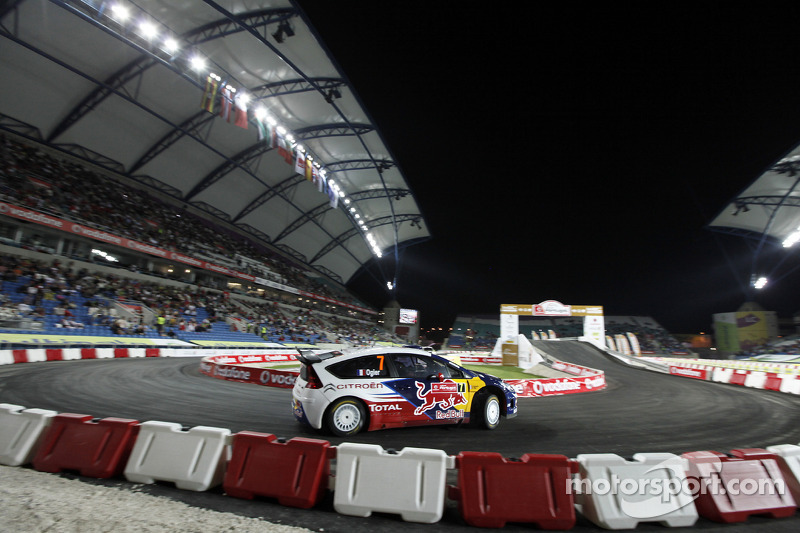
(489,412)
(345,417)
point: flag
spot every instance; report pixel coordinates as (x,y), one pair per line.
(285,149)
(333,197)
(315,175)
(241,110)
(225,104)
(262,129)
(309,167)
(210,93)
(300,162)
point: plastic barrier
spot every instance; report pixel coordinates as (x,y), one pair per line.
(618,494)
(295,472)
(756,380)
(95,449)
(722,375)
(733,488)
(788,458)
(410,482)
(193,459)
(21,431)
(53,354)
(773,381)
(534,489)
(739,377)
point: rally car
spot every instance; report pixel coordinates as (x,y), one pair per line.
(378,388)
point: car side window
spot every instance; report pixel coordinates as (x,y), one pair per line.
(455,372)
(370,366)
(418,366)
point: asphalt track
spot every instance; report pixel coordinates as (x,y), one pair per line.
(639,411)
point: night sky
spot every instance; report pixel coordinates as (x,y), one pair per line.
(573,153)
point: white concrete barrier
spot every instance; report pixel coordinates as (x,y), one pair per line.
(6,357)
(619,494)
(410,482)
(722,375)
(71,354)
(104,353)
(755,379)
(193,459)
(21,431)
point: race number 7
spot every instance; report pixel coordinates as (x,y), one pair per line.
(381,358)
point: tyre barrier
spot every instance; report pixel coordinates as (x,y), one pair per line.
(548,491)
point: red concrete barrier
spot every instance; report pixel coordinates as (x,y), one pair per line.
(20,356)
(739,377)
(120,352)
(493,490)
(54,354)
(152,352)
(730,489)
(773,381)
(88,353)
(94,449)
(295,472)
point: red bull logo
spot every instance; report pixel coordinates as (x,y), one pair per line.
(444,394)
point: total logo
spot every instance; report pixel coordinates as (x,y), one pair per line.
(383,407)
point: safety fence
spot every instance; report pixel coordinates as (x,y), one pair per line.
(781,377)
(240,368)
(547,490)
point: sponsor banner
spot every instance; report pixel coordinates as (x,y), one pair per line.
(251,358)
(36,339)
(221,344)
(696,373)
(261,376)
(528,388)
(487,359)
(573,369)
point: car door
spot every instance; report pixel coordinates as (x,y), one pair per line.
(435,391)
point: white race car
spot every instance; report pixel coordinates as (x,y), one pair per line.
(378,388)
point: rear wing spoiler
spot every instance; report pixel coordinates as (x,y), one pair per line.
(308,357)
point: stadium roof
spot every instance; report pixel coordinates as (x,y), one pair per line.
(767,212)
(85,81)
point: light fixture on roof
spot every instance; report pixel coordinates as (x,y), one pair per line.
(792,239)
(760,282)
(284,30)
(148,30)
(170,45)
(198,64)
(740,206)
(120,13)
(332,94)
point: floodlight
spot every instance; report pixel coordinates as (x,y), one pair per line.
(198,63)
(760,283)
(148,30)
(120,13)
(170,45)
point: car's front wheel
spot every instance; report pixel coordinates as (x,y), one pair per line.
(345,417)
(489,412)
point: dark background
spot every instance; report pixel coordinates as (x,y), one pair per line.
(573,153)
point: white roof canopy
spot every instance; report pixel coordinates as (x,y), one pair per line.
(79,78)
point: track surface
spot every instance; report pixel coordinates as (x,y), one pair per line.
(639,411)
